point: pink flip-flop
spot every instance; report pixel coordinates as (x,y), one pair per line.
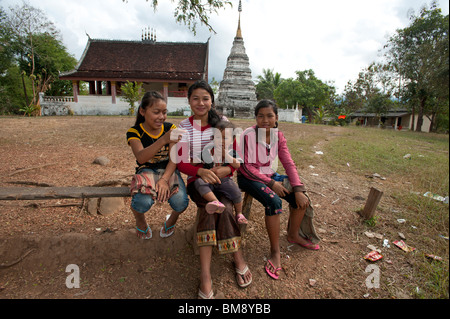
(270,273)
(310,245)
(241,220)
(215,207)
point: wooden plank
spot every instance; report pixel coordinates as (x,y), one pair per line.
(246,209)
(40,193)
(371,204)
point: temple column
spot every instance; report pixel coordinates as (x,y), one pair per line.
(166,92)
(113,92)
(92,87)
(75,86)
(99,88)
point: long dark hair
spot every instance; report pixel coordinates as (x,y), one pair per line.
(148,100)
(213,116)
(263,104)
(267,103)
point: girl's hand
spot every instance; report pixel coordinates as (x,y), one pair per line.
(208,176)
(279,189)
(221,171)
(301,200)
(162,189)
(174,135)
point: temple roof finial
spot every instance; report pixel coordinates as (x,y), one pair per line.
(239,32)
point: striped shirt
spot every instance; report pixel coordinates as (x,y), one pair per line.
(191,146)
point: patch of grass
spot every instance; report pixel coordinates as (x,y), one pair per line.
(370,151)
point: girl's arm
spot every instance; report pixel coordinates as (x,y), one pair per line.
(162,186)
(142,154)
(232,161)
(289,165)
(251,167)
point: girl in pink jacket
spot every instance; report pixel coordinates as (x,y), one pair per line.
(261,145)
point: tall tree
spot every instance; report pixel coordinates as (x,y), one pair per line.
(419,53)
(50,58)
(314,92)
(26,22)
(38,50)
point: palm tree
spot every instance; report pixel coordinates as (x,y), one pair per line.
(267,84)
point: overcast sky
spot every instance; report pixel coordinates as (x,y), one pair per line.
(336,39)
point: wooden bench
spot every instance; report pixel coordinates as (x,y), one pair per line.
(41,193)
(48,193)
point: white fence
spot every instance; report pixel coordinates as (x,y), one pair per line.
(96,105)
(102,105)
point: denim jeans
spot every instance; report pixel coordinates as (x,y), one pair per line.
(142,203)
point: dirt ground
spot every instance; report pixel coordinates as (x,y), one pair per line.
(113,263)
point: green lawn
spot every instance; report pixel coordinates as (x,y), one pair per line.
(370,151)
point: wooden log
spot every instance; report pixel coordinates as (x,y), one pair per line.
(371,204)
(41,193)
(246,209)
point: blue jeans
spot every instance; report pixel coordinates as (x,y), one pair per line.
(142,203)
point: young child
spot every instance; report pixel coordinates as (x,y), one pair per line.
(218,153)
(156,176)
(261,144)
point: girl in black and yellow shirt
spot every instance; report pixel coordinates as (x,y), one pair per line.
(156,175)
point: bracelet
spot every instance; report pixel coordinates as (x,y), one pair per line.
(165,180)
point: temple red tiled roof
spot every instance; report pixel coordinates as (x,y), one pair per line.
(116,60)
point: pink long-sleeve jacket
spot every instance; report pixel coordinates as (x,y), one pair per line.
(259,158)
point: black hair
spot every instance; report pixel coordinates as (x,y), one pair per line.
(148,100)
(263,104)
(222,125)
(266,103)
(213,116)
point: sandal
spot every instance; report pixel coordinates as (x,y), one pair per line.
(270,273)
(163,232)
(148,233)
(240,219)
(242,274)
(309,245)
(215,207)
(202,295)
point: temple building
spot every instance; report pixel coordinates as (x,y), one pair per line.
(237,92)
(167,67)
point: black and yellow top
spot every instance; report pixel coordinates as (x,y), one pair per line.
(161,159)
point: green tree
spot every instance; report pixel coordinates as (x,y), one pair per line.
(314,92)
(6,53)
(26,23)
(380,104)
(189,11)
(50,58)
(288,93)
(419,54)
(132,93)
(267,84)
(215,85)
